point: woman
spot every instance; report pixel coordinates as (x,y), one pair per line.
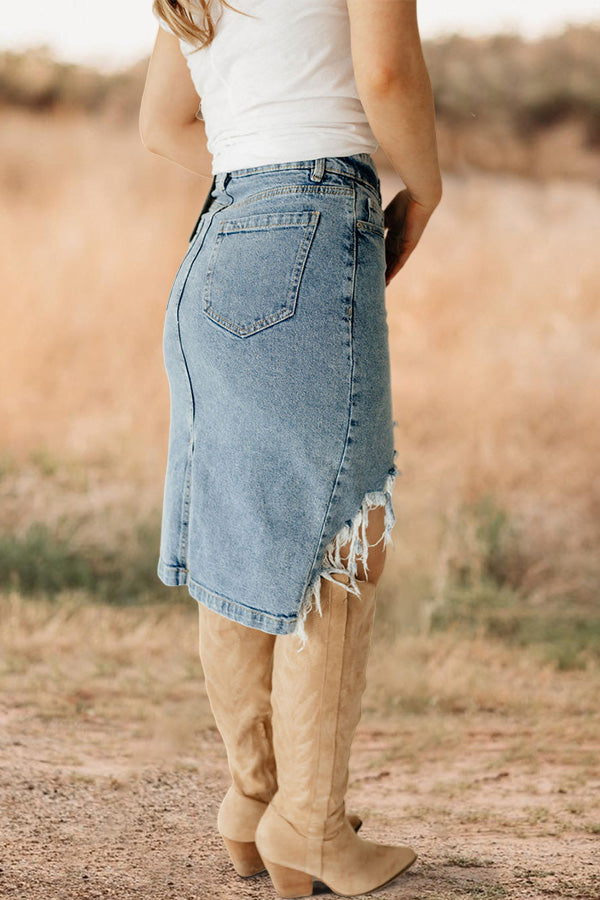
(278,491)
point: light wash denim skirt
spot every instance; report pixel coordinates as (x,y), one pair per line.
(277,355)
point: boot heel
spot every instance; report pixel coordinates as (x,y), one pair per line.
(289,882)
(245,857)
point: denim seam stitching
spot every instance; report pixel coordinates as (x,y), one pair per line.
(294,189)
(320,549)
(186,498)
(370,226)
(186,501)
(243,225)
(294,163)
(282,169)
(192,582)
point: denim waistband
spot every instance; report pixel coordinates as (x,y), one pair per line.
(359,166)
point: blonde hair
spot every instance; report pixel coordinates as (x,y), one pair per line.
(178,15)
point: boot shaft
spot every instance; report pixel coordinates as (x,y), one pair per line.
(237,662)
(316,700)
(303,834)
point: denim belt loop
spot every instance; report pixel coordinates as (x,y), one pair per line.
(318,169)
(221,179)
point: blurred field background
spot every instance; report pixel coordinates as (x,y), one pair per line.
(488,624)
(494,337)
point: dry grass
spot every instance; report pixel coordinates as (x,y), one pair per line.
(92,232)
(495,342)
(494,334)
(503,103)
(76,659)
(140,666)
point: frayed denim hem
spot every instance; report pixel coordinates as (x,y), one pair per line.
(354,532)
(174,576)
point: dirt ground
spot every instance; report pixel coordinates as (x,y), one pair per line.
(111,769)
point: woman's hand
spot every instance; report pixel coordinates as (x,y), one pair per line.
(405,218)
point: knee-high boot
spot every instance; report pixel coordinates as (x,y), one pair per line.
(316,700)
(237,662)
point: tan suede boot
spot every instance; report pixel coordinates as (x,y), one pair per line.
(237,662)
(316,700)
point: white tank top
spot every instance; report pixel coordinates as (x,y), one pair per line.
(278,87)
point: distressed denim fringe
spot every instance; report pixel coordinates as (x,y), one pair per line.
(355,532)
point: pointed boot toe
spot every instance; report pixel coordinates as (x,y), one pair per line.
(347,864)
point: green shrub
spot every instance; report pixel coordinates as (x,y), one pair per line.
(485,592)
(42,562)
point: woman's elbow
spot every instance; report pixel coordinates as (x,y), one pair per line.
(150,133)
(161,135)
(154,127)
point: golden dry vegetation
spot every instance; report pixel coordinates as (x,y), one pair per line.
(503,103)
(494,339)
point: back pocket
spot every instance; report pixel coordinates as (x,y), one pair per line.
(255,269)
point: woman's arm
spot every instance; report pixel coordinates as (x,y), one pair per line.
(167,120)
(395,90)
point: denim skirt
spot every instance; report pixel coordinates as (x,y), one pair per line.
(276,350)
